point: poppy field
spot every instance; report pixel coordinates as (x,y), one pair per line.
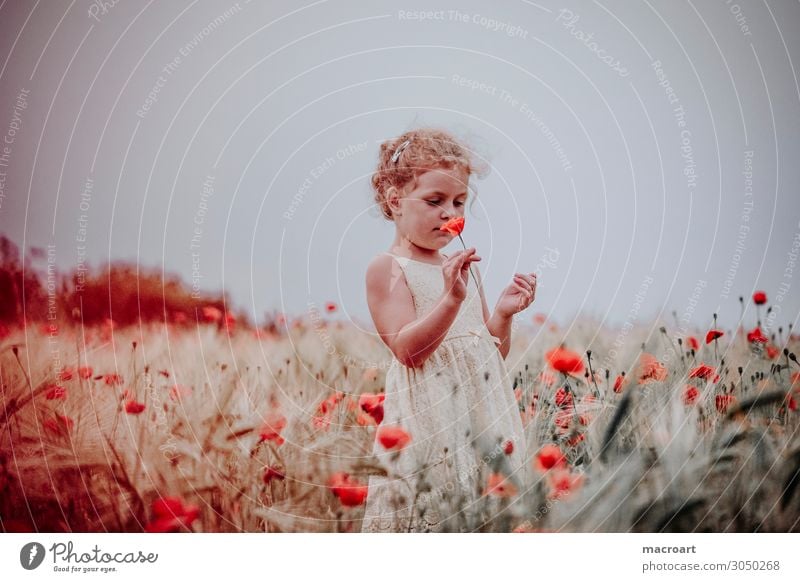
(203,424)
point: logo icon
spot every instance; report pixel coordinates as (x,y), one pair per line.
(31,555)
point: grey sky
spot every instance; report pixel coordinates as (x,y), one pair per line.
(618,135)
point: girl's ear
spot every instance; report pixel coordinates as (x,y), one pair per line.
(393,199)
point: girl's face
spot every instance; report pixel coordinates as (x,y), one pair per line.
(440,195)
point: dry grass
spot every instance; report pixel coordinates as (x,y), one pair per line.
(642,460)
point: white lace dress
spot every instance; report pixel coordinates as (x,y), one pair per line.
(460,411)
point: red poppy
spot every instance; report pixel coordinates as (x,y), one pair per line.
(372,404)
(498,486)
(690,395)
(759,298)
(703,371)
(112,379)
(350,492)
(133,407)
(211,314)
(756,335)
(565,361)
(772,352)
(171,515)
(713,334)
(178,391)
(59,425)
(330,306)
(274,423)
(65,374)
(508,447)
(618,383)
(651,370)
(393,437)
(85,372)
(563,482)
(56,392)
(454,226)
(549,457)
(692,342)
(723,401)
(563,397)
(271,473)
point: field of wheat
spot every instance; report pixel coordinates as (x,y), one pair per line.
(202,426)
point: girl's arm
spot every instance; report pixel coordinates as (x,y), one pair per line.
(391,305)
(498,325)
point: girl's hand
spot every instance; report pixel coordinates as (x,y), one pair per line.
(517,296)
(455,271)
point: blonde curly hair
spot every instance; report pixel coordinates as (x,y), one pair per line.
(400,163)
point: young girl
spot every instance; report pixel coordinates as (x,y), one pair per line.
(448,386)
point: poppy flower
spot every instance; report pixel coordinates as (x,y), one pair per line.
(393,437)
(350,492)
(59,425)
(454,226)
(772,352)
(372,404)
(330,306)
(273,425)
(756,335)
(759,298)
(562,419)
(690,395)
(178,391)
(618,383)
(574,440)
(508,447)
(692,342)
(563,397)
(651,370)
(65,374)
(723,401)
(112,379)
(171,515)
(549,457)
(56,392)
(563,482)
(271,473)
(703,371)
(565,361)
(85,372)
(211,314)
(133,407)
(498,486)
(713,334)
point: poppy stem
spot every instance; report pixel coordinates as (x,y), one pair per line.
(469,266)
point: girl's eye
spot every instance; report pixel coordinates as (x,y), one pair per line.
(459,204)
(433,202)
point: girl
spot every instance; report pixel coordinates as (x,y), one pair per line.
(447,386)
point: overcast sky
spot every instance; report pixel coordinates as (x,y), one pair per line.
(644,156)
